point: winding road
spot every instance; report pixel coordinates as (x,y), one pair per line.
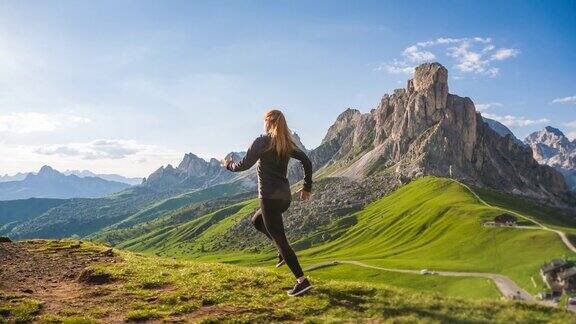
(505,285)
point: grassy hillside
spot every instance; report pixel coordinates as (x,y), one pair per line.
(88,217)
(173,203)
(140,288)
(115,236)
(13,212)
(436,224)
(195,237)
(84,216)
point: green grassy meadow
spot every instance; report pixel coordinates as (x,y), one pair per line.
(442,231)
(173,203)
(193,238)
(149,288)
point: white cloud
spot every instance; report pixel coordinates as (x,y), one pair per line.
(396,67)
(414,54)
(96,150)
(470,55)
(467,60)
(32,122)
(566,100)
(505,53)
(571,135)
(516,121)
(571,124)
(485,106)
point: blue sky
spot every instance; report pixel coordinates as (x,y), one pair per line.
(127,86)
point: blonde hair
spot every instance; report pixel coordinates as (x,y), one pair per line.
(277,128)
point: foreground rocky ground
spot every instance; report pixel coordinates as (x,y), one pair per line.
(78,282)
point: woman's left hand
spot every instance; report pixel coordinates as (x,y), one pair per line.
(224,162)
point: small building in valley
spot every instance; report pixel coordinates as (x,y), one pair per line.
(502,220)
(506,219)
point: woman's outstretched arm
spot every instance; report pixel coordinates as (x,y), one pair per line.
(299,155)
(251,157)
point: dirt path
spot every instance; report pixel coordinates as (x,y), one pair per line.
(505,285)
(541,226)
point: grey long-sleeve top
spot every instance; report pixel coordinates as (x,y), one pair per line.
(272,181)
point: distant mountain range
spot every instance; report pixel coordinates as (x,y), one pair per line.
(109,177)
(17,177)
(551,147)
(49,183)
(82,174)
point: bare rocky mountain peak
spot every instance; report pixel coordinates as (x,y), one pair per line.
(551,137)
(551,147)
(193,172)
(46,171)
(431,79)
(298,141)
(425,130)
(192,164)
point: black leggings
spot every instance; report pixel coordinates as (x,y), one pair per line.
(268,220)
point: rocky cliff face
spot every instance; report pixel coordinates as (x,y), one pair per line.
(424,130)
(551,147)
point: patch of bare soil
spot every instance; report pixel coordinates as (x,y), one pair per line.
(49,272)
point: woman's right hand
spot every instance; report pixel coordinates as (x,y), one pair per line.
(304,195)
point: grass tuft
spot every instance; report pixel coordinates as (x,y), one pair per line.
(142,315)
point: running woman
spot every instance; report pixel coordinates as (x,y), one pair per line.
(272,151)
